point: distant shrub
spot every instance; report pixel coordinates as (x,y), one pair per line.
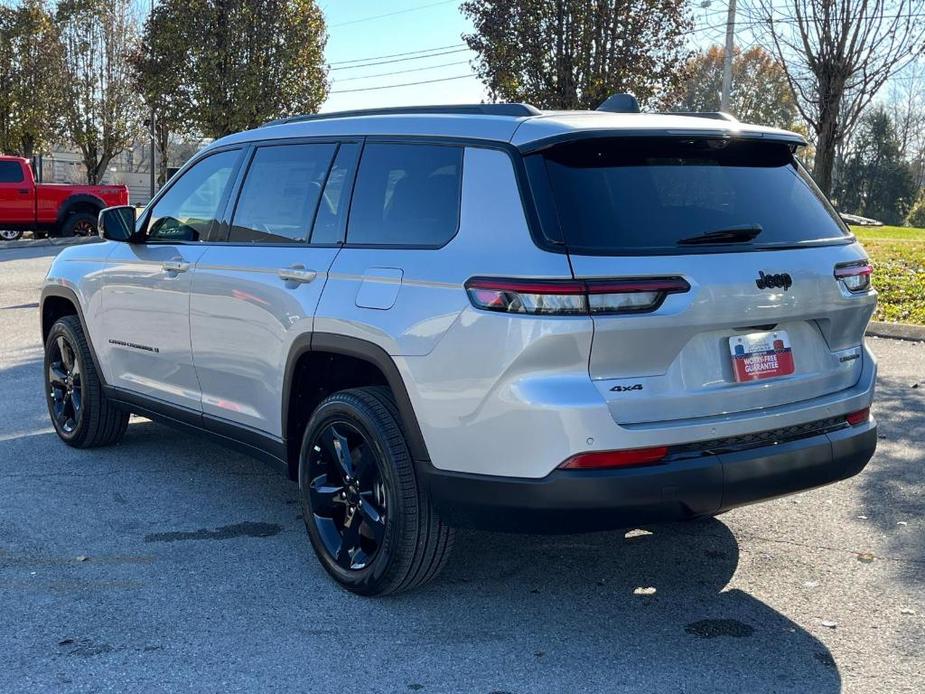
(916,216)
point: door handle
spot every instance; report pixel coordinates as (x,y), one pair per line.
(297,274)
(174,266)
(23,191)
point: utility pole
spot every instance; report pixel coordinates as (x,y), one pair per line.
(724,104)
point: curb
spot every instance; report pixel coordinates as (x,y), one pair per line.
(37,243)
(897,331)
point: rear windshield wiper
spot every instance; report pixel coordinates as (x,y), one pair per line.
(740,234)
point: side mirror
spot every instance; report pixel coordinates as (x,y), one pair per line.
(117,223)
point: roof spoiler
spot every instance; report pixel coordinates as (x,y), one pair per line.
(620,103)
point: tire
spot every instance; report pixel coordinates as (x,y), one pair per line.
(79,224)
(10,235)
(411,544)
(91,420)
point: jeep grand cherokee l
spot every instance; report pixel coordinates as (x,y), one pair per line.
(482,315)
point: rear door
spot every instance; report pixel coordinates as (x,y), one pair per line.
(748,250)
(256,291)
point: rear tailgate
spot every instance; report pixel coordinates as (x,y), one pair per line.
(676,362)
(759,247)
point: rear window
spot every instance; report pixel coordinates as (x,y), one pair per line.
(637,195)
(406,195)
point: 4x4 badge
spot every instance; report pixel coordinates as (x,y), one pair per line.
(782,281)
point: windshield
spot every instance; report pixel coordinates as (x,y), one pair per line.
(629,195)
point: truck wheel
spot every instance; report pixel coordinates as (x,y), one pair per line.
(79,224)
(371,524)
(10,235)
(81,413)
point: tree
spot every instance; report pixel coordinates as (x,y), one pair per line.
(102,113)
(876,181)
(31,78)
(907,109)
(837,55)
(573,54)
(760,92)
(226,65)
(159,64)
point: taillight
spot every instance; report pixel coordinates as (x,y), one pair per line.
(858,417)
(855,275)
(572,297)
(602,460)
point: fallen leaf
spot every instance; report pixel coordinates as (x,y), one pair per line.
(862,517)
(828,624)
(907,610)
(901,523)
(866,557)
(644,591)
(82,558)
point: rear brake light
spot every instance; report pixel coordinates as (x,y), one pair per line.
(855,276)
(858,417)
(602,460)
(572,297)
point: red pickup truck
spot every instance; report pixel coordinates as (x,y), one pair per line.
(49,208)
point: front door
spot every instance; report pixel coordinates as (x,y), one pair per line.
(146,288)
(255,294)
(17,196)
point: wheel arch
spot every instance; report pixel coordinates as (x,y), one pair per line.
(79,202)
(374,366)
(58,301)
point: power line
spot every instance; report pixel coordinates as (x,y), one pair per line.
(402,72)
(404,84)
(400,60)
(392,14)
(395,55)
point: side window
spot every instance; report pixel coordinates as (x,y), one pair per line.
(332,208)
(406,195)
(189,208)
(10,172)
(280,193)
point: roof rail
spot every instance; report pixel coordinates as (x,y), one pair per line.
(712,115)
(505,109)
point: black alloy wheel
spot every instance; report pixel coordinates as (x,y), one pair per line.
(82,414)
(65,385)
(371,524)
(347,495)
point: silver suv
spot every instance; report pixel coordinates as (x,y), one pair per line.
(480,315)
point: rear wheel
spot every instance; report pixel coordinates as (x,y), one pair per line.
(79,224)
(370,523)
(82,415)
(10,234)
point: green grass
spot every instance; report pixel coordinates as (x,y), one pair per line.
(898,256)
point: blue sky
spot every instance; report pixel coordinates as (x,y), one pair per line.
(358,30)
(370,28)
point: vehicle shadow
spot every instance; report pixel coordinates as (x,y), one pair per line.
(510,613)
(892,485)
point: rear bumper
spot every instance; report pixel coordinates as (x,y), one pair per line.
(582,500)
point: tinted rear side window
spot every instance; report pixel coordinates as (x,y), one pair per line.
(280,194)
(646,194)
(406,195)
(10,172)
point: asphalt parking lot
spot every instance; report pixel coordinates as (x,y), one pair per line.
(170,563)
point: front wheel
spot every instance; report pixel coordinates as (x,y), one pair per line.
(370,523)
(81,413)
(10,234)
